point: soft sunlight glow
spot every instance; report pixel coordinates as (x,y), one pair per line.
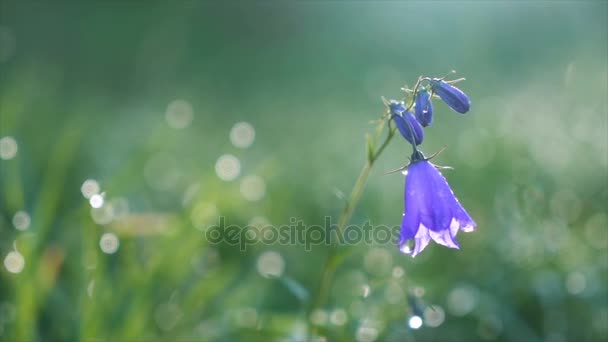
(462,300)
(14,262)
(259,222)
(576,282)
(119,207)
(242,135)
(398,272)
(89,188)
(103,215)
(96,201)
(253,188)
(338,317)
(179,114)
(8,148)
(271,264)
(228,167)
(261,225)
(109,243)
(434,316)
(415,322)
(319,317)
(366,334)
(419,291)
(21,220)
(203,215)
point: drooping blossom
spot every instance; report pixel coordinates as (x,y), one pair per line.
(432,212)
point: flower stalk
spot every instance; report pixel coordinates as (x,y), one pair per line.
(333,258)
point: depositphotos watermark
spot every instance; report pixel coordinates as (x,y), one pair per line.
(297,233)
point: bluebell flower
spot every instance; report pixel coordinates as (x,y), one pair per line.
(431,210)
(452,96)
(424,108)
(407,124)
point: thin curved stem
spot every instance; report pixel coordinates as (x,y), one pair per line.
(333,259)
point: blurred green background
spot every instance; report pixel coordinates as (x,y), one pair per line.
(186,111)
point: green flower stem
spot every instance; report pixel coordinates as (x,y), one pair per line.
(333,258)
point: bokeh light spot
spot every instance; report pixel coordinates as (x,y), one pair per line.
(415,322)
(338,317)
(418,291)
(8,148)
(462,300)
(179,114)
(96,201)
(271,264)
(398,272)
(576,282)
(253,188)
(119,207)
(434,316)
(103,215)
(259,222)
(21,220)
(203,214)
(89,188)
(228,167)
(109,243)
(242,135)
(14,262)
(319,317)
(366,334)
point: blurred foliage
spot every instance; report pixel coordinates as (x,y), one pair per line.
(89,91)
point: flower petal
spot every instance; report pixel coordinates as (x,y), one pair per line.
(432,211)
(421,239)
(445,238)
(415,199)
(436,214)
